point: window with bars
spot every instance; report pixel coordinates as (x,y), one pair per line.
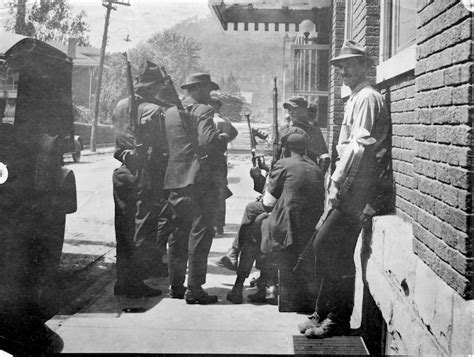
(311,69)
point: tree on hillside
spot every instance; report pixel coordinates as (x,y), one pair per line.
(48,20)
(230,85)
(179,54)
(114,86)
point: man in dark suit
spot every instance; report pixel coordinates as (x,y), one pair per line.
(292,204)
(138,183)
(193,141)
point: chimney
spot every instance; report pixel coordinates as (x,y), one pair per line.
(71,47)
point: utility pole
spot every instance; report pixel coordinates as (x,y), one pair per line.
(108,4)
(20,25)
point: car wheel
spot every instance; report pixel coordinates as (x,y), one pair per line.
(76,156)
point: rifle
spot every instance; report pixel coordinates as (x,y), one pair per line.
(307,251)
(132,104)
(172,90)
(253,144)
(276,138)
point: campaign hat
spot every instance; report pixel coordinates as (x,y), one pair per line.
(350,49)
(295,102)
(199,79)
(148,74)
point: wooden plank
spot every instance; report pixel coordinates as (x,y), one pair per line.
(346,345)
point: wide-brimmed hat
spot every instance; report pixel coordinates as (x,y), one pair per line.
(295,102)
(350,49)
(148,74)
(199,79)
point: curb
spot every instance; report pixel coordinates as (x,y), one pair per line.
(101,151)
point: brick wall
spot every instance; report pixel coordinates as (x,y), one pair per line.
(400,98)
(366,28)
(365,31)
(431,111)
(336,105)
(442,133)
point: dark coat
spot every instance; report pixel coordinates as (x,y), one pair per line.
(148,145)
(192,139)
(297,183)
(317,146)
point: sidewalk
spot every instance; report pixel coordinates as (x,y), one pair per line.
(97,321)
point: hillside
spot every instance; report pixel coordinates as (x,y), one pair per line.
(254,58)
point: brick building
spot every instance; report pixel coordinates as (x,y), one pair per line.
(414,292)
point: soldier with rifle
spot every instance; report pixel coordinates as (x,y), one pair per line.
(193,142)
(291,204)
(355,195)
(254,209)
(141,147)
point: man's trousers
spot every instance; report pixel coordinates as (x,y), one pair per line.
(137,217)
(334,265)
(192,237)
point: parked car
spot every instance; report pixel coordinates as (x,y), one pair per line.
(36,191)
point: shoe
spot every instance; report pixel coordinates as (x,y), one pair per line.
(138,291)
(271,295)
(327,328)
(177,292)
(259,296)
(313,321)
(235,296)
(199,296)
(229,260)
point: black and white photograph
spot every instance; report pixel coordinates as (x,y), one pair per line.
(236,177)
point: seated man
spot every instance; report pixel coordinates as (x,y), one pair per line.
(299,121)
(292,204)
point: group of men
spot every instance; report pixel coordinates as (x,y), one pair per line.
(168,185)
(173,161)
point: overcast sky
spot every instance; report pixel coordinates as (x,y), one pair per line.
(140,20)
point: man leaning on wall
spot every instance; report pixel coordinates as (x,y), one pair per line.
(355,195)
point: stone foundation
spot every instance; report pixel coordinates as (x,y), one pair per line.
(423,314)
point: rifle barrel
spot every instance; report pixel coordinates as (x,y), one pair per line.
(276,138)
(174,95)
(252,139)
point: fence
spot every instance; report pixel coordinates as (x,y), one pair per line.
(105,134)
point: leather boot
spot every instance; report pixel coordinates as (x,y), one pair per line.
(196,295)
(327,328)
(230,260)
(259,296)
(235,296)
(313,321)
